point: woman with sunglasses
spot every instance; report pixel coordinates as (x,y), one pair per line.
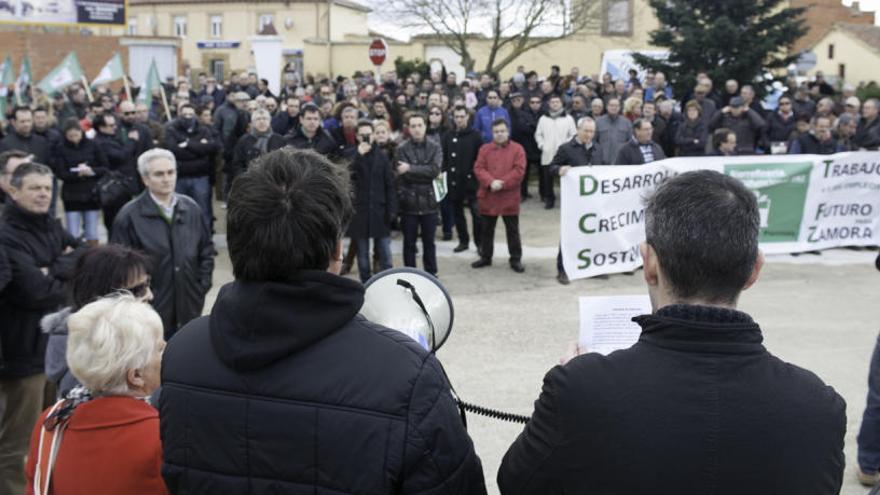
(100,271)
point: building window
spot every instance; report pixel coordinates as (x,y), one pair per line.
(617,18)
(831,51)
(265,19)
(132,26)
(841,71)
(180,25)
(216,26)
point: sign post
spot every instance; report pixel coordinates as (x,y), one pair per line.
(378,52)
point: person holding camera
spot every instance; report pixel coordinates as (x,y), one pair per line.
(375,201)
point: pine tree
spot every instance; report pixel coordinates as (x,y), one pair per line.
(728,39)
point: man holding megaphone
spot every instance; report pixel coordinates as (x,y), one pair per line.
(284,387)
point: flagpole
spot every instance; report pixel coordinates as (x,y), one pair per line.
(127,87)
(88,89)
(165,101)
(17,96)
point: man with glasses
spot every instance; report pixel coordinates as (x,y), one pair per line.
(132,130)
(780,127)
(490,113)
(171,229)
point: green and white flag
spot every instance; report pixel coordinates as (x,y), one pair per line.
(146,93)
(6,78)
(24,78)
(67,73)
(7,74)
(111,71)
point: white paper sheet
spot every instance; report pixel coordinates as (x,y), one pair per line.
(606,322)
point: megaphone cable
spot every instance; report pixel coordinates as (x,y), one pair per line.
(462,405)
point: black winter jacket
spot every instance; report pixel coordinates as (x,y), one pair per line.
(34,144)
(31,242)
(778,130)
(698,405)
(416,187)
(460,150)
(144,141)
(691,138)
(231,123)
(246,151)
(322,143)
(748,127)
(182,253)
(868,135)
(283,123)
(196,158)
(631,154)
(375,197)
(574,154)
(120,156)
(524,123)
(79,193)
(286,389)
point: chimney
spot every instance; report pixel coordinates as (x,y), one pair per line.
(855,9)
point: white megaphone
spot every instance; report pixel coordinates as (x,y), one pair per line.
(412,302)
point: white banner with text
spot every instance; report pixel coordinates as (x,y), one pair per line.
(806,202)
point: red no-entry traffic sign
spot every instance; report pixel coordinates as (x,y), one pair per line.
(378,50)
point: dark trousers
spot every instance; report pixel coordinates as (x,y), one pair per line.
(461,226)
(869,434)
(511,226)
(447,216)
(524,186)
(547,185)
(410,224)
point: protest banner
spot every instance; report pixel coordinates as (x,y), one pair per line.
(806,203)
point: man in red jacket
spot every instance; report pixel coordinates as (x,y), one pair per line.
(500,167)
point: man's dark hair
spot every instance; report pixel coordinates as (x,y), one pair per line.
(187,105)
(364,123)
(638,123)
(416,115)
(102,120)
(20,108)
(105,269)
(720,136)
(8,155)
(498,122)
(96,104)
(309,108)
(704,225)
(26,169)
(286,214)
(41,109)
(70,123)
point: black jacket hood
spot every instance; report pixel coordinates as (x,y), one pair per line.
(254,324)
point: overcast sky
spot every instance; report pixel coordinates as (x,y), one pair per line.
(379,23)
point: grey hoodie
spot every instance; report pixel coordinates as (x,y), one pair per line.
(55,324)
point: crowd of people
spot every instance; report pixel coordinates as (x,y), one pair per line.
(418,153)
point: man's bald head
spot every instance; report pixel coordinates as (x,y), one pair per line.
(128,112)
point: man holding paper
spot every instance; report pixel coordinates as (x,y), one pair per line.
(698,404)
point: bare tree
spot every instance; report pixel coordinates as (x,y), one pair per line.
(510,27)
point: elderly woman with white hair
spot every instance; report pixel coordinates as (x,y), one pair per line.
(104,437)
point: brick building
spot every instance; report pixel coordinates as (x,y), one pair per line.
(47,49)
